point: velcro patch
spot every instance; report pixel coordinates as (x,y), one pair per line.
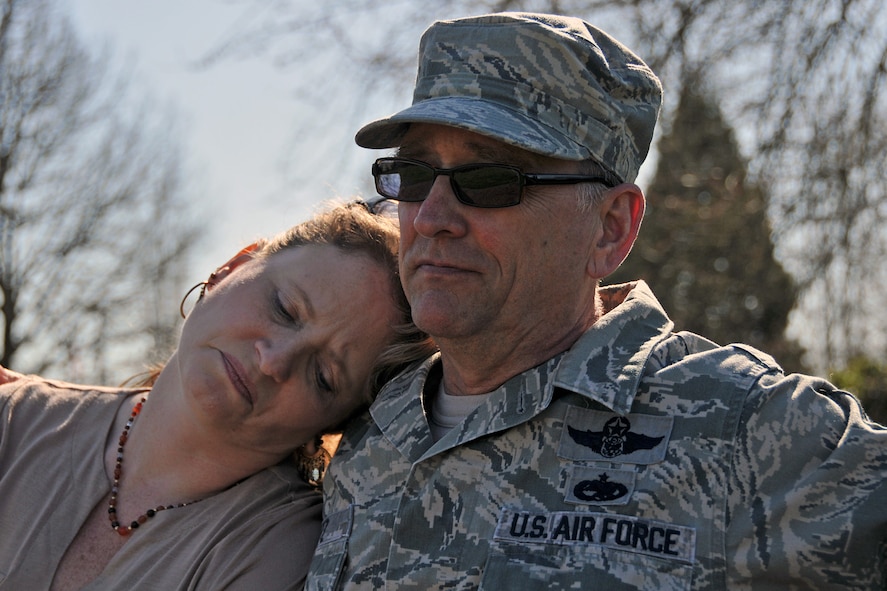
(621,532)
(605,436)
(336,527)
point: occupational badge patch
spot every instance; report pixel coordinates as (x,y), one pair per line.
(606,436)
(599,486)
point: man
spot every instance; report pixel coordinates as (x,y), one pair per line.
(566,437)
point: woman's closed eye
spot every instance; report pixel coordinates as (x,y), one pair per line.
(321,379)
(286,314)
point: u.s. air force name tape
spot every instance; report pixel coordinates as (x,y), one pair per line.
(622,532)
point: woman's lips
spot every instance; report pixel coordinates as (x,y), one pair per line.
(238,378)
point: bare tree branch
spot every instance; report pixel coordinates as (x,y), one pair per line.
(91,205)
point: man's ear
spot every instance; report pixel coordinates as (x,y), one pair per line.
(620,214)
(245,254)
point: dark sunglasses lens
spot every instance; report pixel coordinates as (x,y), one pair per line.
(404,181)
(488,186)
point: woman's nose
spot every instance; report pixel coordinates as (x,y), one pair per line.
(276,357)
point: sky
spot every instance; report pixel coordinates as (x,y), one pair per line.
(239,120)
(235,119)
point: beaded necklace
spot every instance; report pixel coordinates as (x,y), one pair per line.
(125,530)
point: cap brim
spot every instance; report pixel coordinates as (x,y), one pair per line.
(472,114)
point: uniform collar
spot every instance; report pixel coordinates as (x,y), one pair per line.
(605,364)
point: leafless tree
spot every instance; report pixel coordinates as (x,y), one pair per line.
(94,229)
(802,82)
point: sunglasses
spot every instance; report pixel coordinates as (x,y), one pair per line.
(477,185)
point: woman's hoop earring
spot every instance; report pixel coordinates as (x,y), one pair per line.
(202,285)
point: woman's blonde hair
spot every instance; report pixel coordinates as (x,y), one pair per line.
(353,228)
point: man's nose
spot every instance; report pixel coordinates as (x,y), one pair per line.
(439,212)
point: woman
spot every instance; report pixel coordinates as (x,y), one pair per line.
(189,485)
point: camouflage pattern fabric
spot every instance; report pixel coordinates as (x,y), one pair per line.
(638,459)
(549,84)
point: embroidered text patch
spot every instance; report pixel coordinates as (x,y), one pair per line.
(622,532)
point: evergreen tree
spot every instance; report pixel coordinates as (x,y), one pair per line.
(705,246)
(867,379)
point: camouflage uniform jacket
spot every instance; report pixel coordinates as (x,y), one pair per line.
(638,459)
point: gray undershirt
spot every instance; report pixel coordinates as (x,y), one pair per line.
(448,411)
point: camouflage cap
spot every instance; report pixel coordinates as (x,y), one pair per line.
(549,84)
